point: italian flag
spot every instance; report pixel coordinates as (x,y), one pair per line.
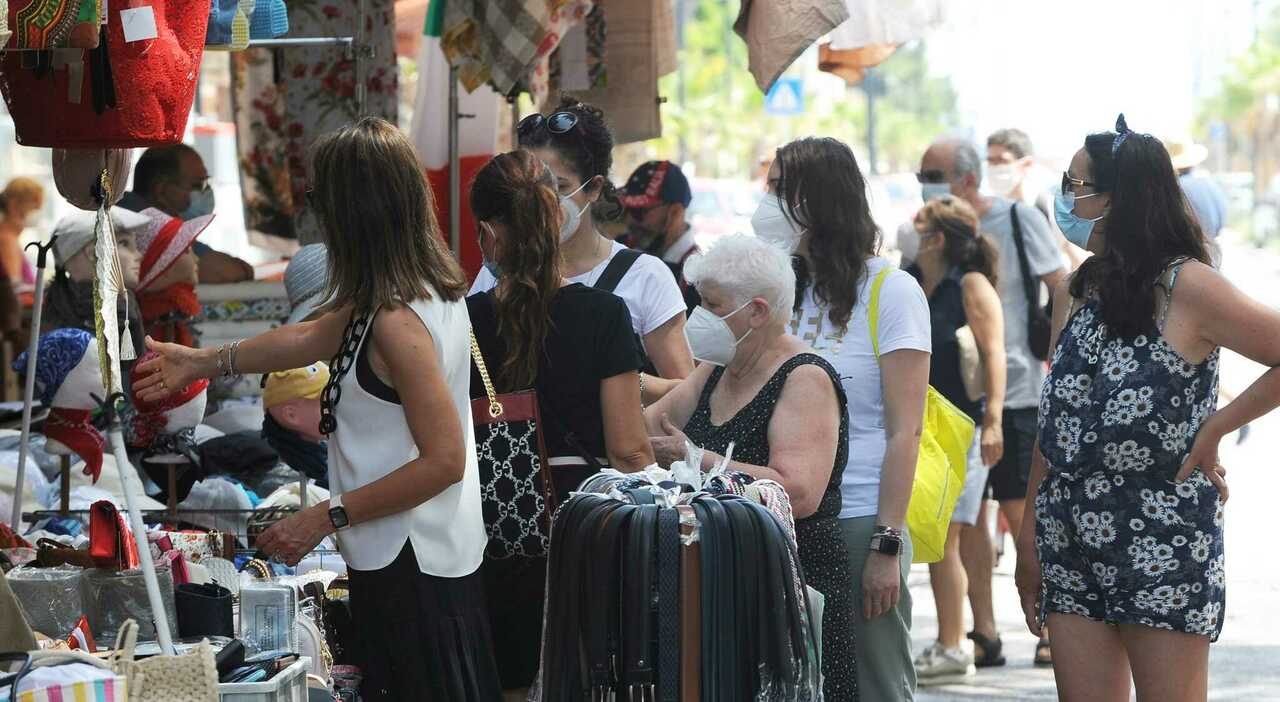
(477,136)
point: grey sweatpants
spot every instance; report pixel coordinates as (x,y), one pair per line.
(885,669)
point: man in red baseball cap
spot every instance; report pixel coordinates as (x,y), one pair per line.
(656,197)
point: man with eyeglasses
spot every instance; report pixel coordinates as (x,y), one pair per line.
(173,179)
(657,196)
(954,166)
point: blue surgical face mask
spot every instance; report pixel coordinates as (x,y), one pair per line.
(202,203)
(1077,229)
(493,268)
(931,191)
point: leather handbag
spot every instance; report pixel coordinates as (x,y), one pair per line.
(135,89)
(52,24)
(972,369)
(204,610)
(111,544)
(517,491)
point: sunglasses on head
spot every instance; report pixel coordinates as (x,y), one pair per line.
(556,123)
(1068,181)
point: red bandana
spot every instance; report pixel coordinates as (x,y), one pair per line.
(166,312)
(71,428)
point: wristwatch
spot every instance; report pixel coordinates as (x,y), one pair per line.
(887,541)
(337,514)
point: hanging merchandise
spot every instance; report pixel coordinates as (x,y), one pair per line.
(228,25)
(585,68)
(78,172)
(52,24)
(777,32)
(284,99)
(500,41)
(658,589)
(67,377)
(135,89)
(270,20)
(4,23)
(852,64)
(874,22)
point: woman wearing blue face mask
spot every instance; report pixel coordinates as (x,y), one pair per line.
(576,143)
(782,408)
(570,343)
(1125,558)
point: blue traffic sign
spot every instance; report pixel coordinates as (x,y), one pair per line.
(785,98)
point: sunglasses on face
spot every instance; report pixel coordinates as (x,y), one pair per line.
(556,123)
(931,176)
(1068,182)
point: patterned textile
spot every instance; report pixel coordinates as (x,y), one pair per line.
(60,351)
(167,313)
(284,99)
(1119,541)
(580,24)
(228,26)
(630,95)
(501,41)
(270,20)
(270,309)
(72,428)
(51,24)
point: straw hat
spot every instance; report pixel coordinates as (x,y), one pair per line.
(163,240)
(1185,153)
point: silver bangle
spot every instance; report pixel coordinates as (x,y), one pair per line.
(222,369)
(231,358)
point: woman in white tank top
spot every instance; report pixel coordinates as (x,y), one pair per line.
(405,502)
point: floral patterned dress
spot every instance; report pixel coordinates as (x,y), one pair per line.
(1119,541)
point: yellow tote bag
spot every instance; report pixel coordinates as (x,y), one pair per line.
(941,465)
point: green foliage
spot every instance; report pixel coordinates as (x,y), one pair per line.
(721,121)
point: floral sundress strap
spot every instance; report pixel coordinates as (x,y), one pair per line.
(1171,274)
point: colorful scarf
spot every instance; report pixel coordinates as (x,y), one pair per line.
(72,428)
(166,313)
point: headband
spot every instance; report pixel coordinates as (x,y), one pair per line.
(1122,133)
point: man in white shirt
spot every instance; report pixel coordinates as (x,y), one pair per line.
(957,165)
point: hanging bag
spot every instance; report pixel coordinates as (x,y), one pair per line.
(517,493)
(51,24)
(135,89)
(941,464)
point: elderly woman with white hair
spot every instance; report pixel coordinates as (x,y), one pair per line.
(781,406)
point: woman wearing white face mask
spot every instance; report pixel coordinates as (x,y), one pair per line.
(827,223)
(783,409)
(576,143)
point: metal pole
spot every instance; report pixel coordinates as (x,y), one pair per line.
(362,50)
(127,477)
(681,92)
(455,168)
(871,131)
(300,41)
(29,389)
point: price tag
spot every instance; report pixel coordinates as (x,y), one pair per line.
(139,23)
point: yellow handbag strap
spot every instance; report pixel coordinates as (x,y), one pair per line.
(873,309)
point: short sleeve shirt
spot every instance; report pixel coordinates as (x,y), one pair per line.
(904,323)
(1025,371)
(652,295)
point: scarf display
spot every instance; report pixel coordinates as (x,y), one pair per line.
(167,313)
(72,428)
(307,457)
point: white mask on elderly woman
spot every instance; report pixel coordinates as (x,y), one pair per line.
(710,338)
(772,225)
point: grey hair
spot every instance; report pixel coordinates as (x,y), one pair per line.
(1015,140)
(746,267)
(966,160)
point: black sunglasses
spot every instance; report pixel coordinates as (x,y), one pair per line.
(557,123)
(932,176)
(1068,181)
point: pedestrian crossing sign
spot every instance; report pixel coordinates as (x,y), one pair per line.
(785,98)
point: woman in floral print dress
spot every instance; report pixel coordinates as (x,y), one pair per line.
(1125,558)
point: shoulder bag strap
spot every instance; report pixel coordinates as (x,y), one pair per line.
(495,407)
(617,269)
(873,309)
(1029,287)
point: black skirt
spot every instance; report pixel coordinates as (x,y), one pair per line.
(424,637)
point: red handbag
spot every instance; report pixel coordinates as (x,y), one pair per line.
(111,544)
(125,93)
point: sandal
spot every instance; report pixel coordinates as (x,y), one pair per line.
(1044,654)
(992,651)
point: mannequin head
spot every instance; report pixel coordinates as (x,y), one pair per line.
(74,251)
(183,409)
(83,381)
(292,398)
(300,416)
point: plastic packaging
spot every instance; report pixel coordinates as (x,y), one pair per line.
(112,597)
(50,597)
(268,612)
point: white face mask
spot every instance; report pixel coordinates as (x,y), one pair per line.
(772,225)
(1004,178)
(572,214)
(710,338)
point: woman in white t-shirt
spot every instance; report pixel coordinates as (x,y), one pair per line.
(576,143)
(817,208)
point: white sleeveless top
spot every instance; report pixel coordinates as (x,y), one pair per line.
(373,439)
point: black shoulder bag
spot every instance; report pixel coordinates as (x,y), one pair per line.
(608,282)
(1039,318)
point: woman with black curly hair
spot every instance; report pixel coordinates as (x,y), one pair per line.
(576,143)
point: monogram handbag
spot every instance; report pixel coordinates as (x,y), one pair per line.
(516,487)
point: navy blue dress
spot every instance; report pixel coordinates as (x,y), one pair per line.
(1119,541)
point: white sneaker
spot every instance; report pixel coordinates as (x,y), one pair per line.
(942,666)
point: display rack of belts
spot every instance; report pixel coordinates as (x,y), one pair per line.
(673,592)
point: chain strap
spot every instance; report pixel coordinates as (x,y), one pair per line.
(495,407)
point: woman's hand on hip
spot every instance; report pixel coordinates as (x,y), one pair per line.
(176,368)
(292,538)
(881,584)
(1204,458)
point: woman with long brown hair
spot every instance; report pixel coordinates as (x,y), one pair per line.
(956,266)
(405,501)
(571,343)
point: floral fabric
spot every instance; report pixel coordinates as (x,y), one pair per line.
(285,98)
(1119,541)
